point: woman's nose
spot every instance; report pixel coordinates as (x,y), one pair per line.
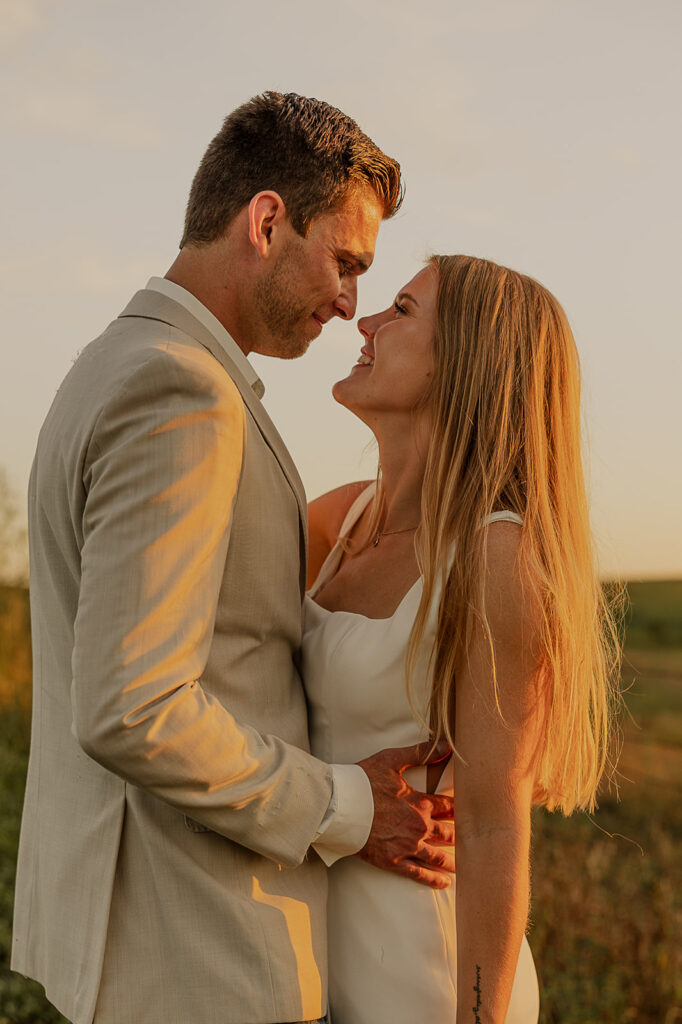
(363,326)
(369,325)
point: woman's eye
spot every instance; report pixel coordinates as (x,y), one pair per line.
(398,308)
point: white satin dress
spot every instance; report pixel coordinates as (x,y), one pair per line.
(392,941)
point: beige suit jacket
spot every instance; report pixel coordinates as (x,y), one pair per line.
(164,872)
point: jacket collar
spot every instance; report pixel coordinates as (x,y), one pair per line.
(153,305)
(208,320)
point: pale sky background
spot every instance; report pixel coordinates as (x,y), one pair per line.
(544,135)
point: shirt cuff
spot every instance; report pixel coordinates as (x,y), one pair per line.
(347,823)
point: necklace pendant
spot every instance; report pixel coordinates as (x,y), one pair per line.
(375,542)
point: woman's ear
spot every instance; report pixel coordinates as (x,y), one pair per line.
(267,213)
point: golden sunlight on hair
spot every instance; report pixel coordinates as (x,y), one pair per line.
(506,436)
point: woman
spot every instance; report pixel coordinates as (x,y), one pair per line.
(468,569)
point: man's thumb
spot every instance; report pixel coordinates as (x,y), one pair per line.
(441,751)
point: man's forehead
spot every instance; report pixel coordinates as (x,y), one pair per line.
(353,228)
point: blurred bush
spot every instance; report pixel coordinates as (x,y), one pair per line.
(13,536)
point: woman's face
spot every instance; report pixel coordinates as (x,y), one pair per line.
(394,372)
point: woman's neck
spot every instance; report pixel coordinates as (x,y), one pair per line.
(403,462)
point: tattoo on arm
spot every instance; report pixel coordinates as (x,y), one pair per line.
(477,990)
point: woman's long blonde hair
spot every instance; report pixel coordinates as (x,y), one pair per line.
(507,435)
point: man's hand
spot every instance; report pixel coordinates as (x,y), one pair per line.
(413,833)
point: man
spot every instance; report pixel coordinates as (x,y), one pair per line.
(167,870)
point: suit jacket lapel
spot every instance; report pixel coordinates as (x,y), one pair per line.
(154,306)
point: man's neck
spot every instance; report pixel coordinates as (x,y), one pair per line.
(208,273)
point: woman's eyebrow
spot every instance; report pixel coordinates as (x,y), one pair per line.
(410,298)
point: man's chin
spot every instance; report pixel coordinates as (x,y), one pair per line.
(285,348)
(296,350)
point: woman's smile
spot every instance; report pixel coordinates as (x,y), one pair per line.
(401,337)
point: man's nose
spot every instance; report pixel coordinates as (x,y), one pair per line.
(347,299)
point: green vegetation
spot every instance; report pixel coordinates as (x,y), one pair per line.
(655,616)
(606,921)
(21,1001)
(13,536)
(15,649)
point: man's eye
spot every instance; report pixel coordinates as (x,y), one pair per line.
(345,267)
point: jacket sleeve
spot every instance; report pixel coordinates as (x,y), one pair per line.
(160,476)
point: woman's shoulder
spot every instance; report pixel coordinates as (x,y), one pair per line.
(325,519)
(327,513)
(511,588)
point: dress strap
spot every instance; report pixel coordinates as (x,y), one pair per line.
(357,508)
(502,517)
(331,562)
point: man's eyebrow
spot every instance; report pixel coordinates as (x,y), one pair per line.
(410,298)
(363,260)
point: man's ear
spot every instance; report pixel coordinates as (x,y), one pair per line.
(267,213)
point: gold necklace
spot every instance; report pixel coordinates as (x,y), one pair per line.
(391,533)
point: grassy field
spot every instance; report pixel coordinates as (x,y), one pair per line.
(606,921)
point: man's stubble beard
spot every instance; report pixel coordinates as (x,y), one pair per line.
(276,300)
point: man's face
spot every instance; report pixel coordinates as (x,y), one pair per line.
(315,278)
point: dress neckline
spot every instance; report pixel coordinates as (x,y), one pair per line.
(331,562)
(360,615)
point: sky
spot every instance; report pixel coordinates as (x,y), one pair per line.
(541,134)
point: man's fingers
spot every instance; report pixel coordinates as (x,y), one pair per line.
(441,806)
(440,857)
(423,875)
(442,750)
(442,831)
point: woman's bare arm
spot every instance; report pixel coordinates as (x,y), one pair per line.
(325,517)
(493,791)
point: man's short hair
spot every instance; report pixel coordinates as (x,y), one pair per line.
(312,154)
